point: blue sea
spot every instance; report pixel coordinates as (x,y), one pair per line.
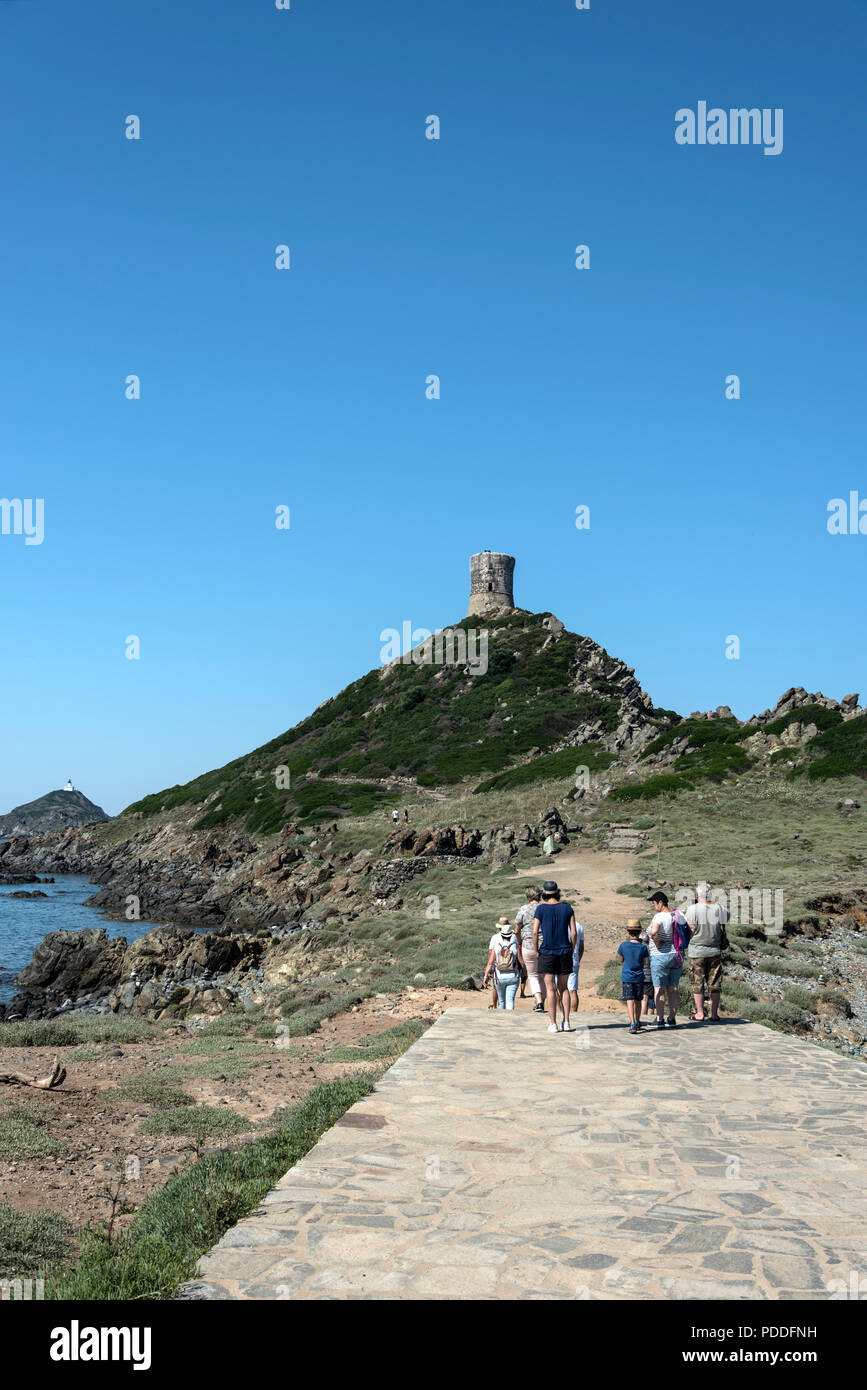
(24,922)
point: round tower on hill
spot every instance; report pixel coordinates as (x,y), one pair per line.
(490,582)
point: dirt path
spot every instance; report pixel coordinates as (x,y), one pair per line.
(95,1132)
(589,879)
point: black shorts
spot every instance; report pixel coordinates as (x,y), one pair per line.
(556,965)
(631,991)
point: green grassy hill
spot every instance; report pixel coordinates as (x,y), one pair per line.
(544,688)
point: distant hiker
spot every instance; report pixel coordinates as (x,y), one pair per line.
(505,962)
(632,955)
(577,953)
(406,817)
(394,817)
(554,938)
(649,1005)
(709,940)
(524,924)
(666,957)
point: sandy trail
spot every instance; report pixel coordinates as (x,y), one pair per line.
(589,879)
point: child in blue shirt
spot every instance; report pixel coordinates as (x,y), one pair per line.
(632,955)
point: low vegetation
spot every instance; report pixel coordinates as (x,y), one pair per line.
(182,1220)
(66,1032)
(23,1135)
(199,1122)
(149,1090)
(428,721)
(31,1243)
(379,1046)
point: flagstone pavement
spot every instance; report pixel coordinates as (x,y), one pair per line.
(497,1161)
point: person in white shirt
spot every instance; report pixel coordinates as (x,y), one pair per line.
(505,962)
(665,971)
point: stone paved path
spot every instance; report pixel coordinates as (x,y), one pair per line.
(495,1160)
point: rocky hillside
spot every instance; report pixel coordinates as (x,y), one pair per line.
(545,689)
(54,811)
(292,840)
(804,735)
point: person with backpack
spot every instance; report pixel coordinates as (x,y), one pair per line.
(505,962)
(555,937)
(708,922)
(668,938)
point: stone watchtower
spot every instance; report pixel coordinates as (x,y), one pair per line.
(490,582)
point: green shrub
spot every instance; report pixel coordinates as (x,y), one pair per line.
(808,714)
(308,1018)
(735,955)
(665,784)
(800,968)
(31,1243)
(837,1001)
(182,1220)
(225,1026)
(199,1122)
(66,1032)
(735,988)
(840,751)
(800,997)
(550,768)
(608,983)
(745,933)
(782,1016)
(23,1135)
(149,1089)
(769,950)
(389,1044)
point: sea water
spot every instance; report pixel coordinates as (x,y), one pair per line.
(25,921)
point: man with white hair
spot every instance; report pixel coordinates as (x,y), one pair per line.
(704,953)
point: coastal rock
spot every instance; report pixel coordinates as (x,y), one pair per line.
(67,964)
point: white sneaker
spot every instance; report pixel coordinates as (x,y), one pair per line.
(552,1028)
(566,1027)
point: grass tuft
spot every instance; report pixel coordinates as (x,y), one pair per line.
(199,1122)
(31,1243)
(183,1219)
(148,1090)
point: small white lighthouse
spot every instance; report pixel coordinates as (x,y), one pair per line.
(69,787)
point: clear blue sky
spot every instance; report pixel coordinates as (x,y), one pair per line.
(410,257)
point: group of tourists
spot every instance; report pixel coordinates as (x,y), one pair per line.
(545,945)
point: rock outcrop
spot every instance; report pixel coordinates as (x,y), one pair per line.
(54,811)
(796,697)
